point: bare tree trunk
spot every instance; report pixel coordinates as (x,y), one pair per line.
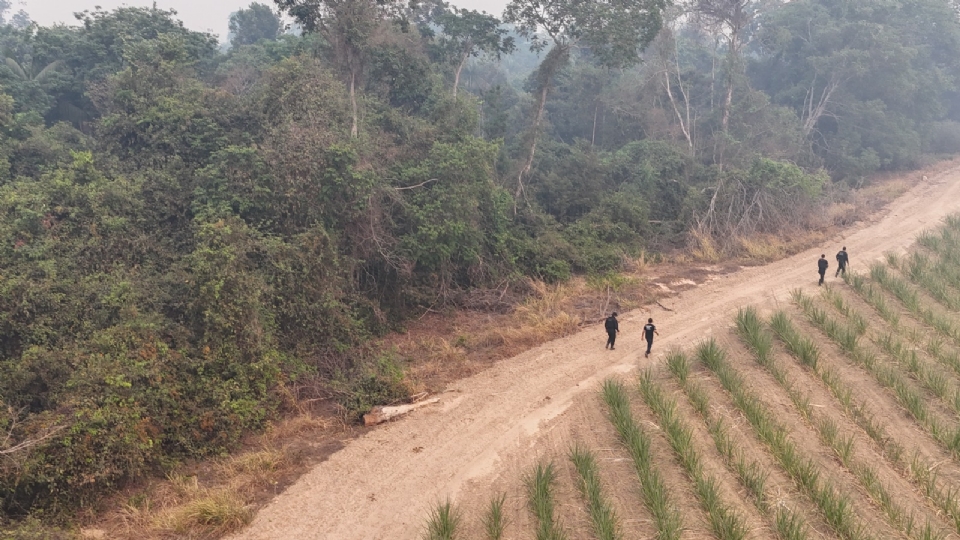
(534,138)
(593,137)
(727,103)
(734,53)
(456,77)
(555,59)
(676,110)
(813,111)
(713,72)
(355,128)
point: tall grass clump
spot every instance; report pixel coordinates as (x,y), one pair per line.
(216,513)
(910,300)
(749,327)
(656,497)
(858,321)
(891,378)
(936,279)
(602,516)
(875,298)
(907,296)
(540,487)
(933,380)
(790,525)
(443,522)
(751,474)
(724,521)
(834,506)
(930,240)
(494,520)
(678,364)
(800,346)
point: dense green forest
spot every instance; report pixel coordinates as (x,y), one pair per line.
(195,236)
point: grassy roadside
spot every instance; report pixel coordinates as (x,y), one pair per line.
(210,499)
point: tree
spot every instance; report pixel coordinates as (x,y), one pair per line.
(729,18)
(614,32)
(347,26)
(866,80)
(20,19)
(248,26)
(466,34)
(668,67)
(26,71)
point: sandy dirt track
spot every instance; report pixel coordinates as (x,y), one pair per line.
(382,485)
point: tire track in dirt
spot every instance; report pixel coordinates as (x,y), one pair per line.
(493,423)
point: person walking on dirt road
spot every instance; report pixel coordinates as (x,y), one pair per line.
(612,327)
(648,331)
(822,265)
(842,260)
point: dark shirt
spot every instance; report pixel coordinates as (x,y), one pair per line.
(611,325)
(648,330)
(842,258)
(822,264)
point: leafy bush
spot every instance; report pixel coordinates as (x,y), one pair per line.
(555,271)
(379,381)
(944,137)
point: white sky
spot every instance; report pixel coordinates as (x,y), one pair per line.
(202,15)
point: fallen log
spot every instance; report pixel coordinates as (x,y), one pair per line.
(378,415)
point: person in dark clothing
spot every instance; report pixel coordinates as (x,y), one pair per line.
(822,265)
(842,260)
(612,327)
(648,331)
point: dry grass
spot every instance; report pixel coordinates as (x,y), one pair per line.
(208,514)
(215,498)
(763,248)
(295,426)
(704,247)
(435,356)
(256,467)
(455,345)
(847,208)
(543,317)
(180,507)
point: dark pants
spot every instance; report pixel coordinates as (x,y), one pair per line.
(649,344)
(822,273)
(841,268)
(611,338)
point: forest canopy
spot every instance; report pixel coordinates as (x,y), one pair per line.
(191,233)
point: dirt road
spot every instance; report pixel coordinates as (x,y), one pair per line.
(382,485)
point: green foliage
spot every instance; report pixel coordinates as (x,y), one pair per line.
(725,521)
(656,495)
(443,522)
(880,65)
(602,514)
(542,502)
(255,23)
(33,529)
(376,382)
(494,521)
(785,177)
